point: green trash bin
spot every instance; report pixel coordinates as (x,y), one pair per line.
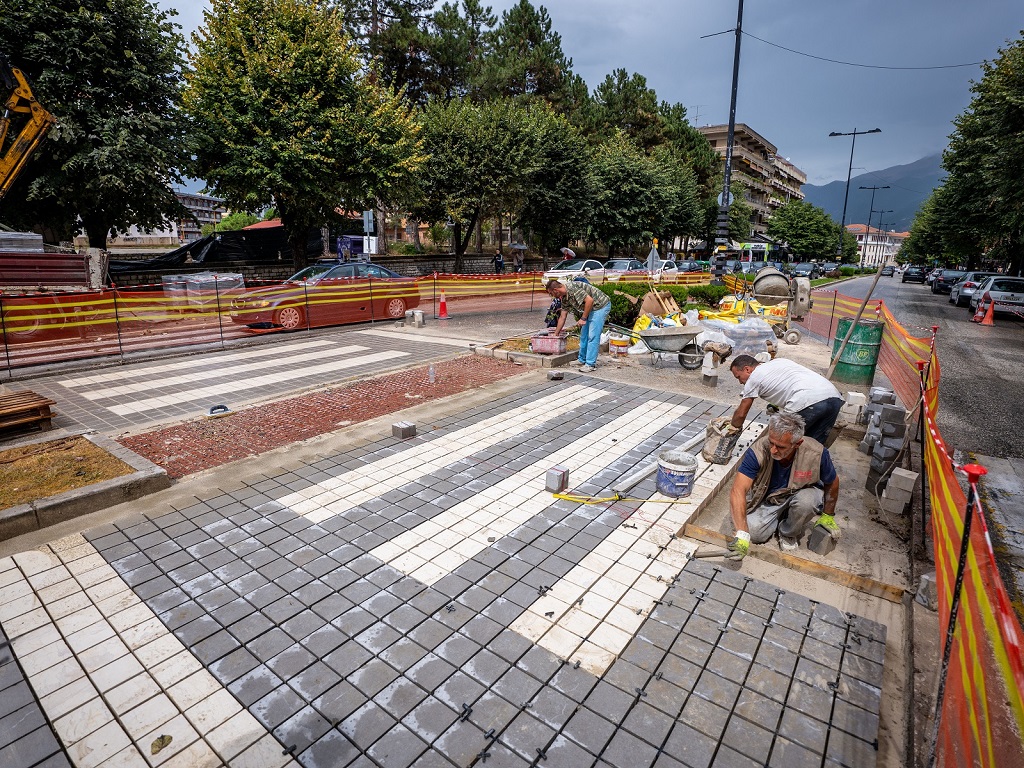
(857,364)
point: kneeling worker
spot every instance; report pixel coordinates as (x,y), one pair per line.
(790,387)
(782,483)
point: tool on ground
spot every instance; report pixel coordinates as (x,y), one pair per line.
(697,554)
(720,442)
(824,535)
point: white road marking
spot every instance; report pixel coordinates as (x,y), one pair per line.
(257,382)
(350,489)
(438,546)
(450,341)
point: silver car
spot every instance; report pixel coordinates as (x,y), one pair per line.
(1006,292)
(964,287)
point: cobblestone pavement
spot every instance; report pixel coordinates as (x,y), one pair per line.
(426,602)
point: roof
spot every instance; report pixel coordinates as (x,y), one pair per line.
(264,224)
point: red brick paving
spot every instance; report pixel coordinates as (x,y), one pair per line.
(205,443)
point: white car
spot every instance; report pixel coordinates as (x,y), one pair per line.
(615,269)
(592,269)
(665,271)
(1006,292)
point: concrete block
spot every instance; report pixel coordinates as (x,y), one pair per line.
(555,375)
(857,399)
(898,494)
(881,395)
(892,442)
(893,413)
(928,591)
(875,420)
(865,447)
(403,430)
(556,480)
(879,465)
(875,477)
(893,506)
(884,452)
(894,429)
(904,479)
(820,541)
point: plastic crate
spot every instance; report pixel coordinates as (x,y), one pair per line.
(548,345)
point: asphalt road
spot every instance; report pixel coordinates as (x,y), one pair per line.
(980,406)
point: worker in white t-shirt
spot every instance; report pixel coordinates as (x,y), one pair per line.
(790,387)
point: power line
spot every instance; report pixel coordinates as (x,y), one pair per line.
(854,64)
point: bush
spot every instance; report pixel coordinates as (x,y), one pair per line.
(402,249)
(848,271)
(708,295)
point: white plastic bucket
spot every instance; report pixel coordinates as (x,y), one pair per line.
(618,345)
(676,473)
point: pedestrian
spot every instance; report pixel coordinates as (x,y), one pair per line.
(568,253)
(499,262)
(790,387)
(591,307)
(553,313)
(518,260)
(781,484)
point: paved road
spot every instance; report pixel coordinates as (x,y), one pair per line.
(982,367)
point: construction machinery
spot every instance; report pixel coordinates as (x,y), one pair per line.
(19,101)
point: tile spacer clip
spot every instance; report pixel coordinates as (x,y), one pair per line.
(577,664)
(450,607)
(466,711)
(290,750)
(491,734)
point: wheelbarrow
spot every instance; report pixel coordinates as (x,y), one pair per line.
(677,339)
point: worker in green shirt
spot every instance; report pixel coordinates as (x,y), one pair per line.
(591,307)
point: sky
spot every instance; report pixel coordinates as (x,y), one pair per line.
(792,100)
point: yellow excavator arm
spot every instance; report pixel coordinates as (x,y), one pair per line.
(19,101)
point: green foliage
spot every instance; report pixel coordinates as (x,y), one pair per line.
(286,115)
(624,312)
(623,102)
(810,232)
(110,73)
(459,43)
(440,235)
(708,295)
(230,223)
(848,271)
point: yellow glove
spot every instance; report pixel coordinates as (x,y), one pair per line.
(739,546)
(829,524)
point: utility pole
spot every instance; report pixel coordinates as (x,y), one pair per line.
(842,225)
(725,200)
(867,233)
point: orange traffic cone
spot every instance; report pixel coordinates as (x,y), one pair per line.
(979,313)
(990,314)
(442,312)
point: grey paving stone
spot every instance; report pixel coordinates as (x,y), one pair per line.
(627,751)
(803,730)
(728,757)
(625,676)
(366,725)
(814,674)
(855,721)
(461,743)
(56,760)
(254,685)
(486,667)
(784,637)
(324,640)
(400,697)
(265,595)
(378,637)
(341,577)
(748,739)
(276,707)
(564,753)
(758,709)
(658,634)
(347,658)
(739,643)
(706,717)
(302,730)
(354,621)
(197,630)
(281,610)
(791,619)
(526,734)
(576,684)
(692,747)
(214,647)
(251,627)
(233,665)
(215,598)
(430,633)
(457,649)
(692,649)
(648,723)
(863,669)
(372,677)
(314,680)
(30,749)
(517,686)
(339,702)
(303,624)
(859,693)
(459,689)
(291,661)
(786,754)
(827,633)
(269,644)
(717,689)
(405,618)
(332,606)
(430,718)
(330,751)
(17,723)
(399,748)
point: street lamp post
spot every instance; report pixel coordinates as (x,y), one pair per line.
(842,226)
(867,233)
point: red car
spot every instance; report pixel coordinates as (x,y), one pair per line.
(328,293)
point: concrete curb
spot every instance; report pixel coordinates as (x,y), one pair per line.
(526,358)
(42,513)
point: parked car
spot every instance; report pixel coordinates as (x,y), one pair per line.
(615,269)
(753,267)
(913,275)
(964,288)
(690,266)
(830,269)
(888,270)
(943,282)
(931,275)
(328,293)
(665,271)
(1006,292)
(592,269)
(807,269)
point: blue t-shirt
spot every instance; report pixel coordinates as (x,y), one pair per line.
(750,466)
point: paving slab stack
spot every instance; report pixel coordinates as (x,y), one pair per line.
(886,433)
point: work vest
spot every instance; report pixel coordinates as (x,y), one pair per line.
(805,471)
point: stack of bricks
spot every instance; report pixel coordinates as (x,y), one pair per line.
(853,408)
(887,429)
(898,491)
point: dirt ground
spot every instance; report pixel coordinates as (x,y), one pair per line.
(39,470)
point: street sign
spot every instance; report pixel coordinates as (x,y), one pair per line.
(367,222)
(731,198)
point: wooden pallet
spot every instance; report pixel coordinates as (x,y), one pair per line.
(25,412)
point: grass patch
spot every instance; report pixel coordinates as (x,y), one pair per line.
(37,471)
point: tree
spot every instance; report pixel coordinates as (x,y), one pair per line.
(480,161)
(810,231)
(458,45)
(230,223)
(559,195)
(683,214)
(632,194)
(624,102)
(286,116)
(110,73)
(526,59)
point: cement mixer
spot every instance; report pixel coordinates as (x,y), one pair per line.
(771,288)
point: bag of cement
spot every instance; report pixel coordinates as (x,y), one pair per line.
(720,441)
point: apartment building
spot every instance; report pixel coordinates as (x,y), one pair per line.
(876,246)
(205,209)
(770,180)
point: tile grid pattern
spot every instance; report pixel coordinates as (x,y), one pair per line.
(348,660)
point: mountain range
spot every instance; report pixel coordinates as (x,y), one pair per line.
(909,186)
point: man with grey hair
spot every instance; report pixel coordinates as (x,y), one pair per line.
(784,480)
